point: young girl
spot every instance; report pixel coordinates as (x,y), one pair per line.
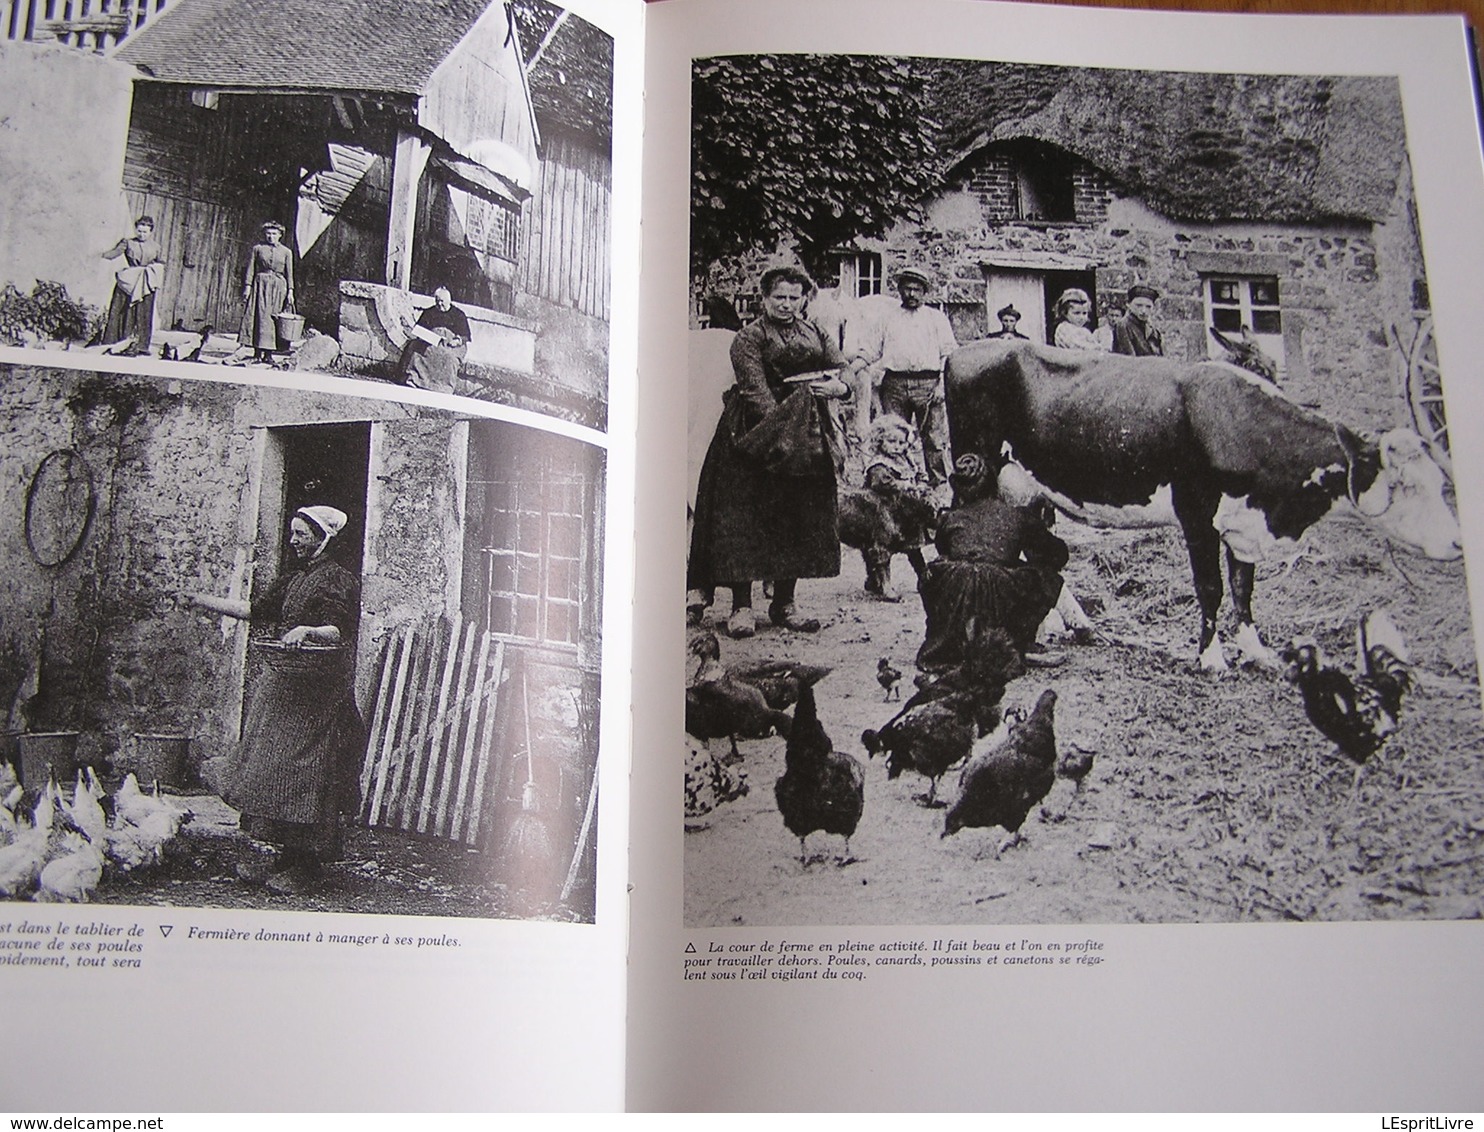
(893,513)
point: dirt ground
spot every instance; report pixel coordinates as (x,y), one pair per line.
(382,872)
(1211,798)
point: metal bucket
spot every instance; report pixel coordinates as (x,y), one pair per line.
(160,758)
(42,749)
(290,328)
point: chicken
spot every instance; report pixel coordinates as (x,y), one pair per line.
(928,738)
(21,861)
(719,706)
(888,677)
(709,784)
(1004,782)
(142,826)
(991,662)
(11,792)
(821,789)
(1357,713)
(86,812)
(72,873)
(938,724)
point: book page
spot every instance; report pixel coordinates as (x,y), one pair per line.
(315,632)
(1109,859)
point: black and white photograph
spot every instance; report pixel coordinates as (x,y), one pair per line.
(1072,525)
(416,194)
(263,647)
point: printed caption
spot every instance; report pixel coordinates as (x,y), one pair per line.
(37,942)
(792,960)
(28,942)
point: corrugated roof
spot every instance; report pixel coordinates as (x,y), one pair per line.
(390,46)
(1197,146)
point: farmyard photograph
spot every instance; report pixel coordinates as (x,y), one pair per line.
(1072,530)
(415,193)
(279,649)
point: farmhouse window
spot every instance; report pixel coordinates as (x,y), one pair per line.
(1233,302)
(494,228)
(532,537)
(860,274)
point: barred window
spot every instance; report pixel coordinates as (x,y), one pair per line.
(533,502)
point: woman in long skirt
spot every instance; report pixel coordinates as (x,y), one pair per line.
(298,767)
(267,290)
(752,523)
(131,311)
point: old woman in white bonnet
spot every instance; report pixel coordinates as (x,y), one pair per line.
(296,770)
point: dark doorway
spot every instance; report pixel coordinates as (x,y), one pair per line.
(326,465)
(1059,281)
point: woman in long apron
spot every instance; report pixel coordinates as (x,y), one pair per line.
(267,290)
(303,738)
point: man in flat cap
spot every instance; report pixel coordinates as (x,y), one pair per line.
(909,345)
(1009,319)
(1134,333)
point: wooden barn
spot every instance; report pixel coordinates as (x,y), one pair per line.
(566,268)
(396,142)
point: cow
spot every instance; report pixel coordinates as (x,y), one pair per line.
(1238,462)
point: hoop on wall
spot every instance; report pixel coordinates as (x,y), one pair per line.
(59,507)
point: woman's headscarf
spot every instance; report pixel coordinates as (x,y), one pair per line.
(330,520)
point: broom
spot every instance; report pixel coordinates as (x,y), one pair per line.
(528,847)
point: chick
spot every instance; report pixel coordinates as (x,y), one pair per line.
(889,678)
(1075,765)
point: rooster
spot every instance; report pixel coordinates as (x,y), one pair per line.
(1004,782)
(1357,713)
(821,789)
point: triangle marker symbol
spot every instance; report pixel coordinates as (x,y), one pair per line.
(166,929)
(690,949)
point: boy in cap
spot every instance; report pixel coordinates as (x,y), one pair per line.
(1133,333)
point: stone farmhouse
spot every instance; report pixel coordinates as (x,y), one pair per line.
(1280,203)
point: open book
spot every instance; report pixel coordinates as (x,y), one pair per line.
(387,721)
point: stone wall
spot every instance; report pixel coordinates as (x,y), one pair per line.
(1341,284)
(181,471)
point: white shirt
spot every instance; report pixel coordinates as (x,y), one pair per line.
(909,340)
